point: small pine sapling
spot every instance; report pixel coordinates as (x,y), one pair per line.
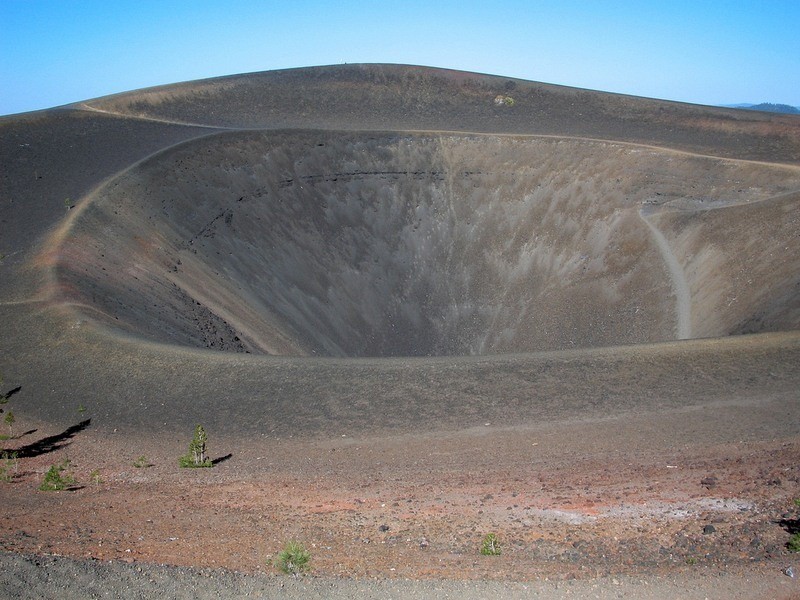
(9,420)
(55,479)
(197,457)
(9,466)
(293,559)
(490,545)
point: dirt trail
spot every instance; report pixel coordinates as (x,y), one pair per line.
(89,107)
(683,298)
(38,577)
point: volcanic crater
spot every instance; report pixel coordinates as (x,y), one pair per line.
(450,304)
(422,244)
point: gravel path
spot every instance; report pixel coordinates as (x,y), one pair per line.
(51,577)
(683,297)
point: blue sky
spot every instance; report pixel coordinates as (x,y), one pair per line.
(708,52)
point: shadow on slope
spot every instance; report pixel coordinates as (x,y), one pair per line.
(52,443)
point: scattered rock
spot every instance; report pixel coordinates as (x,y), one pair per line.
(789,572)
(708,529)
(709,482)
(384,528)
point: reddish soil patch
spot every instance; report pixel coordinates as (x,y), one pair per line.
(410,506)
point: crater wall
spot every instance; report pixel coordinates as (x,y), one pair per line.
(394,244)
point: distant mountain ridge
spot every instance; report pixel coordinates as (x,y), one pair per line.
(768,107)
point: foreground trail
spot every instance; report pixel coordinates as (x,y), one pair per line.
(37,577)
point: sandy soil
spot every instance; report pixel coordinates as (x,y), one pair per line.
(417,507)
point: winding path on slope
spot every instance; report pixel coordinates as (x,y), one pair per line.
(683,298)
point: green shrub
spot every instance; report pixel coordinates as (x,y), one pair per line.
(794,543)
(293,559)
(9,465)
(55,479)
(141,462)
(9,420)
(490,545)
(95,477)
(197,457)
